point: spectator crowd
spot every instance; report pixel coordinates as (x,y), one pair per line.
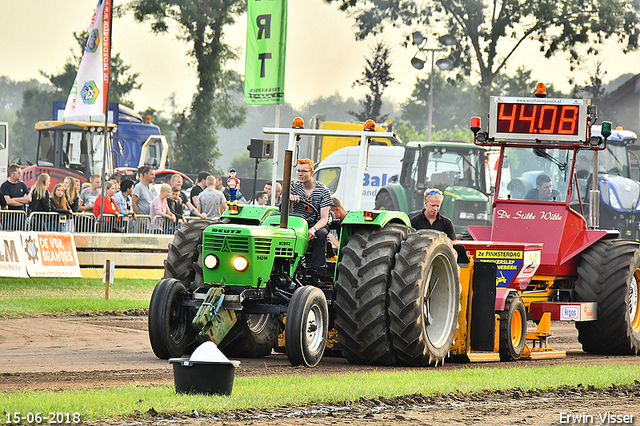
(123,202)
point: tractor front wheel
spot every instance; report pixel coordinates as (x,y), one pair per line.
(513,328)
(307,326)
(609,274)
(170,330)
(424,299)
(252,336)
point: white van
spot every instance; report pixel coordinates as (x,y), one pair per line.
(338,172)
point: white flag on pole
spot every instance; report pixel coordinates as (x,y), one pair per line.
(88,94)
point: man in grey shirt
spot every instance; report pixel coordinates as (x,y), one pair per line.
(143,194)
(211,201)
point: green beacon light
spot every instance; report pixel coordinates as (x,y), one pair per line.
(606,129)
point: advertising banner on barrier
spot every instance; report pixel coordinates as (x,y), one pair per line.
(12,257)
(50,254)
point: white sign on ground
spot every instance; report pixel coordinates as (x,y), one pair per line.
(12,257)
(50,254)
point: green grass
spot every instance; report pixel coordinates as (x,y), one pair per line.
(64,296)
(278,391)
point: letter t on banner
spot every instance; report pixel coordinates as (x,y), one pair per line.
(266,52)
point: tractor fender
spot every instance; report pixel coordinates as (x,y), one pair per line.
(501,297)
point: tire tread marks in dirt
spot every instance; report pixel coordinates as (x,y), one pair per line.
(604,276)
(361,300)
(406,303)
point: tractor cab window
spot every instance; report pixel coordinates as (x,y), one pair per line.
(95,146)
(72,151)
(330,177)
(447,167)
(46,150)
(522,166)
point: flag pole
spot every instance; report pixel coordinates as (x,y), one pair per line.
(106,145)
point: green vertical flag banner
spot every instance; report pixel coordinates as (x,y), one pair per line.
(266,52)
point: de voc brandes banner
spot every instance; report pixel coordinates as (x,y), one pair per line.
(266,52)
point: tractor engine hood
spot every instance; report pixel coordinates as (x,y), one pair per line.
(620,193)
(244,255)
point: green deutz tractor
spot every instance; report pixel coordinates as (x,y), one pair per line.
(456,168)
(243,280)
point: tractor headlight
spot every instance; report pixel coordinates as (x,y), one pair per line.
(482,216)
(211,261)
(240,263)
(467,215)
(613,200)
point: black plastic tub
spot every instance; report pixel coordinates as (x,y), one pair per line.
(204,377)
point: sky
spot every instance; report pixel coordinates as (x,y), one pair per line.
(323,57)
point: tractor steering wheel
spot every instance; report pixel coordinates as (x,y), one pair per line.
(311,208)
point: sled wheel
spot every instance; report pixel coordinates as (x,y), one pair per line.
(252,336)
(361,300)
(307,326)
(513,328)
(424,298)
(609,274)
(170,330)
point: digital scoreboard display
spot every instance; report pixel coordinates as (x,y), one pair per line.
(538,119)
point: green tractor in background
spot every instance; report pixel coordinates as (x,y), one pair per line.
(244,279)
(456,168)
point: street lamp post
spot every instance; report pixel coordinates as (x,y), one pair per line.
(443,63)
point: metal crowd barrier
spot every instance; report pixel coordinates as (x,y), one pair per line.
(46,222)
(164,225)
(140,225)
(13,220)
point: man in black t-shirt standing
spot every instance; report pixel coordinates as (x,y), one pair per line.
(16,194)
(317,194)
(430,217)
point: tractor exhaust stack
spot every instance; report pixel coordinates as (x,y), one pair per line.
(286,188)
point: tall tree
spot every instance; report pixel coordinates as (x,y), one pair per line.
(376,76)
(488,33)
(201,25)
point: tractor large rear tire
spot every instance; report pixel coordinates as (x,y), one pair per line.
(182,260)
(513,328)
(609,274)
(364,274)
(170,330)
(252,336)
(423,327)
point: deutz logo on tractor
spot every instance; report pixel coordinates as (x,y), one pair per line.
(226,231)
(225,246)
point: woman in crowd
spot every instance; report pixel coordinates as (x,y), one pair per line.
(110,207)
(71,192)
(61,205)
(41,202)
(160,209)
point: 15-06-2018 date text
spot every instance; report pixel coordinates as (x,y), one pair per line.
(38,417)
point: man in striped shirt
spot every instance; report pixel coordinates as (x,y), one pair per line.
(317,194)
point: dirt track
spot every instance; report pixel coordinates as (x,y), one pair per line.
(90,352)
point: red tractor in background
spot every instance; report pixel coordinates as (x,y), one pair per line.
(573,270)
